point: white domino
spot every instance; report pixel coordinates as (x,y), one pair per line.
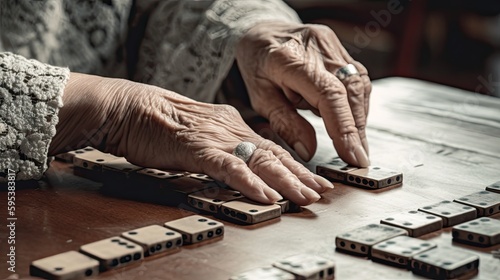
(307,266)
(495,187)
(360,240)
(69,156)
(264,273)
(399,250)
(119,167)
(487,203)
(250,212)
(92,160)
(415,222)
(211,199)
(374,177)
(452,213)
(65,266)
(482,231)
(113,252)
(198,176)
(444,263)
(159,174)
(335,170)
(196,228)
(154,239)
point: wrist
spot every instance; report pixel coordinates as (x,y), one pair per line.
(87,102)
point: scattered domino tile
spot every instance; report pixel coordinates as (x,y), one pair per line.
(68,265)
(374,177)
(113,252)
(336,170)
(360,240)
(487,203)
(416,223)
(444,263)
(154,239)
(400,250)
(250,212)
(495,187)
(452,213)
(196,228)
(482,231)
(212,201)
(305,266)
(92,160)
(264,273)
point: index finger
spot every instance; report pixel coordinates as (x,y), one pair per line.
(327,93)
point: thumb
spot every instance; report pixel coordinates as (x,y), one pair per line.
(295,131)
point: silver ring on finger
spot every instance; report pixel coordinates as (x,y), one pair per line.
(244,150)
(346,71)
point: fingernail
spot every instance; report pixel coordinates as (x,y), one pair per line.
(311,195)
(323,182)
(272,195)
(361,156)
(301,150)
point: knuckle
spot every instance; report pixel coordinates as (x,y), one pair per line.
(262,160)
(361,68)
(333,93)
(319,29)
(277,150)
(228,109)
(291,50)
(361,129)
(327,82)
(356,88)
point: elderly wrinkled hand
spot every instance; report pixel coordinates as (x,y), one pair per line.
(157,128)
(292,66)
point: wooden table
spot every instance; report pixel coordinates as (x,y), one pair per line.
(446,141)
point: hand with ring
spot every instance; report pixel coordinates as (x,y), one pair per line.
(295,66)
(157,128)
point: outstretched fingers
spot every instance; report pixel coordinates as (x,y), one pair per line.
(276,175)
(234,172)
(309,179)
(268,176)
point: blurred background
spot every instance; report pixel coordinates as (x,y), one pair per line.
(456,43)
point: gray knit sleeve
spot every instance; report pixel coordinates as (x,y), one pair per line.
(30,99)
(189,46)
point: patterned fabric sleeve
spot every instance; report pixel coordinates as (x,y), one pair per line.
(188,46)
(30,99)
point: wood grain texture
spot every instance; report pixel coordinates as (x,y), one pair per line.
(446,141)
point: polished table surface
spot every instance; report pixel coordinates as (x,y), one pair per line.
(446,141)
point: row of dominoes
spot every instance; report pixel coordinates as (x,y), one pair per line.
(303,266)
(199,191)
(372,177)
(394,241)
(131,246)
